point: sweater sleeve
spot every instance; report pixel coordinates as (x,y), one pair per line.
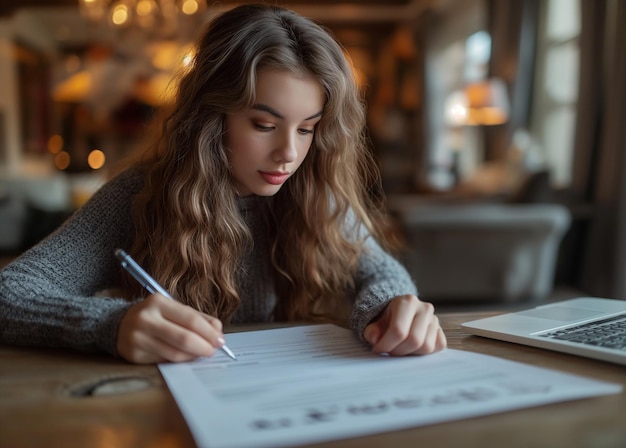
(380,278)
(48,294)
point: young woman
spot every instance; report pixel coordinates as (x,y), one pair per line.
(253,205)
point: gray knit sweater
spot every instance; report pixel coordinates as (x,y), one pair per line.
(48,296)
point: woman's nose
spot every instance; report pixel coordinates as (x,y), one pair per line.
(286,150)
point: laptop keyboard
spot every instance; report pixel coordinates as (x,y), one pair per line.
(608,333)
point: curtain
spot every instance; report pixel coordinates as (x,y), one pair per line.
(513,29)
(600,153)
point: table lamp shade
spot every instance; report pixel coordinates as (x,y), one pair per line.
(487,103)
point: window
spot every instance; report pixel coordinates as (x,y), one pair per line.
(477,54)
(556,92)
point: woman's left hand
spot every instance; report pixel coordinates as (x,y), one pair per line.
(407,326)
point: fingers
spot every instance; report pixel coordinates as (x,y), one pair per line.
(407,326)
(146,349)
(158,329)
(188,326)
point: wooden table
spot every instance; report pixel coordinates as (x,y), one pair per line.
(58,398)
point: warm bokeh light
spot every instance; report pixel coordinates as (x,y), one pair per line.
(164,55)
(74,88)
(189,7)
(120,15)
(62,160)
(145,7)
(96,159)
(55,144)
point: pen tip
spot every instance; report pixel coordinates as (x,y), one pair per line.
(228,352)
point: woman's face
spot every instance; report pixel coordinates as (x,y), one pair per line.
(267,142)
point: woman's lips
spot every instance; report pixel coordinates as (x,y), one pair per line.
(274,178)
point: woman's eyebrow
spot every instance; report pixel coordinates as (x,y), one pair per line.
(319,114)
(269,110)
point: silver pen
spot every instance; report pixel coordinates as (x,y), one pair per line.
(150,284)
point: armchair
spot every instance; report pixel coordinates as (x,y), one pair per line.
(481,251)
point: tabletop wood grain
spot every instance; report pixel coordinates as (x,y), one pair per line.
(59,398)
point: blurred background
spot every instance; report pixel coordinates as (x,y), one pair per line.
(497,125)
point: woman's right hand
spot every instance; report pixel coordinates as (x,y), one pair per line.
(158,329)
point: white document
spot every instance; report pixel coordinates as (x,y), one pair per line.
(315,383)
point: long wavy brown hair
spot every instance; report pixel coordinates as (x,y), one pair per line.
(188,229)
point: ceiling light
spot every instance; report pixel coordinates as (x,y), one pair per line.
(160,17)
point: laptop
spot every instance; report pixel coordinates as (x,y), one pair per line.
(586,326)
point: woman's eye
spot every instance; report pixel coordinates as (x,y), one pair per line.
(263,128)
(305,131)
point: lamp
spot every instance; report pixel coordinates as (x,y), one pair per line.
(481,103)
(487,103)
